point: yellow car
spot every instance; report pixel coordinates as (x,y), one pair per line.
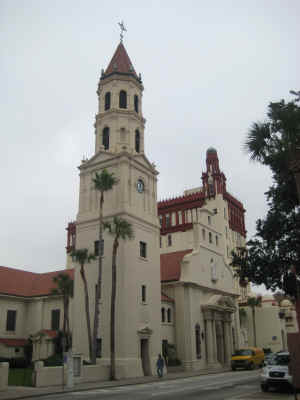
(247,358)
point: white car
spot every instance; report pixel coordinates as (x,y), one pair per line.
(276,372)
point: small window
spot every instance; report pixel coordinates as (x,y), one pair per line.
(217,241)
(160,220)
(143,249)
(136,103)
(168,220)
(144,296)
(227,251)
(99,348)
(123,99)
(11,319)
(210,237)
(226,232)
(105,138)
(169,240)
(96,248)
(169,315)
(55,317)
(225,213)
(107,101)
(160,242)
(209,220)
(137,141)
(163,315)
(203,234)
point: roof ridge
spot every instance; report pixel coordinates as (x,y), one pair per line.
(185,197)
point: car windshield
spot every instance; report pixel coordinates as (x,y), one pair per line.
(281,359)
(243,352)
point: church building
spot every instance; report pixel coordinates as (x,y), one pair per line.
(176,291)
(176,273)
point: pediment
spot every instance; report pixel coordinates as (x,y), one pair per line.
(221,301)
(99,157)
(142,159)
(104,156)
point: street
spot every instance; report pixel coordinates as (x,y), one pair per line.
(209,387)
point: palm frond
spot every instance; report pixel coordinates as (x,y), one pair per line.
(121,228)
(104,180)
(256,144)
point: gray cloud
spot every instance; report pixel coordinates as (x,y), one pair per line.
(209,71)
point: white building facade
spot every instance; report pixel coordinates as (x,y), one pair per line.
(176,290)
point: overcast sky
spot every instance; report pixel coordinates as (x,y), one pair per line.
(209,70)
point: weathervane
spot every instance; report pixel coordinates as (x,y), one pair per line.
(123,29)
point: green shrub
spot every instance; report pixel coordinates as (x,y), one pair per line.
(20,377)
(53,361)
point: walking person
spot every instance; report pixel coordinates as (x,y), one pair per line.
(160,366)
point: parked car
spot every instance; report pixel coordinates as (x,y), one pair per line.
(269,357)
(276,372)
(247,358)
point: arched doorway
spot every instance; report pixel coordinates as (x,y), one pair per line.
(144,339)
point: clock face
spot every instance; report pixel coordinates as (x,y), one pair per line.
(140,186)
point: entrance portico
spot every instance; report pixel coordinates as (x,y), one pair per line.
(217,317)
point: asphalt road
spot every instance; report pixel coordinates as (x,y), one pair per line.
(227,385)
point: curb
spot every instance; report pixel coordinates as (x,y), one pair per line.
(108,384)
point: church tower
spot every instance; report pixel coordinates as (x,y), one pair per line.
(119,147)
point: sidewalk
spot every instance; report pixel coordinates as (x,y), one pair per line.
(22,392)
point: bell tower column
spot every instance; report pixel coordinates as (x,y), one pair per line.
(119,148)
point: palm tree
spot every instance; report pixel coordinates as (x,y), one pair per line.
(120,229)
(82,257)
(65,288)
(254,302)
(102,182)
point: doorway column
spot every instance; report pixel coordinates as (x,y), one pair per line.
(214,338)
(227,341)
(209,341)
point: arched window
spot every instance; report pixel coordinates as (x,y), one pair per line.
(123,99)
(136,103)
(105,138)
(198,340)
(107,101)
(203,234)
(169,315)
(163,315)
(210,237)
(137,141)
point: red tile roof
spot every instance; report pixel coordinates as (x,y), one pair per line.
(14,342)
(121,62)
(170,265)
(166,298)
(23,283)
(50,333)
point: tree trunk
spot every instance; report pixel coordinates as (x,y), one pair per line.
(67,323)
(65,314)
(87,310)
(113,310)
(254,325)
(99,281)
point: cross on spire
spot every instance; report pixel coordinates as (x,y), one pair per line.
(123,29)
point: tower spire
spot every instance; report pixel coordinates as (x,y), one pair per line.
(123,29)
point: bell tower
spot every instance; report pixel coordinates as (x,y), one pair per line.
(119,148)
(119,123)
